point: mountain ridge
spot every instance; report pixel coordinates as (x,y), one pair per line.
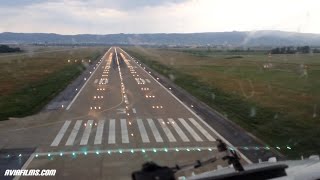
(230,38)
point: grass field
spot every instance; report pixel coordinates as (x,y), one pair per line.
(30,80)
(275,98)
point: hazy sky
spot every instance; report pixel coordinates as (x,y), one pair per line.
(152,16)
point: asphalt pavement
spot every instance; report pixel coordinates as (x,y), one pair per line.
(120,118)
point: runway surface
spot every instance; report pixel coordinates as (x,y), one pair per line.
(119,119)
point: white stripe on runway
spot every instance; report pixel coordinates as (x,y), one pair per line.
(155,131)
(124,131)
(134,110)
(143,131)
(98,138)
(59,136)
(138,81)
(86,134)
(148,80)
(95,81)
(178,130)
(167,131)
(191,131)
(112,132)
(74,133)
(200,128)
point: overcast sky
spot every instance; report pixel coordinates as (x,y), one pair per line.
(155,16)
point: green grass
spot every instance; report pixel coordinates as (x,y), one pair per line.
(33,97)
(29,82)
(281,110)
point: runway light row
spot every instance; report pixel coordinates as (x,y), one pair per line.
(85,124)
(145,89)
(155,150)
(157,107)
(95,107)
(149,96)
(97,97)
(101,89)
(77,60)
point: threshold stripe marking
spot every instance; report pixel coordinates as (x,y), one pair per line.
(167,131)
(59,136)
(74,133)
(182,135)
(112,132)
(190,130)
(201,129)
(86,134)
(124,131)
(98,138)
(155,131)
(143,132)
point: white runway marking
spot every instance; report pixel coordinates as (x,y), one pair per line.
(167,131)
(178,130)
(86,134)
(59,136)
(190,130)
(98,138)
(200,128)
(112,131)
(124,131)
(95,81)
(148,80)
(143,131)
(138,80)
(155,131)
(74,133)
(134,110)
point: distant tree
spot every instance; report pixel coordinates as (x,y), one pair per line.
(7,49)
(290,50)
(315,50)
(305,49)
(275,51)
